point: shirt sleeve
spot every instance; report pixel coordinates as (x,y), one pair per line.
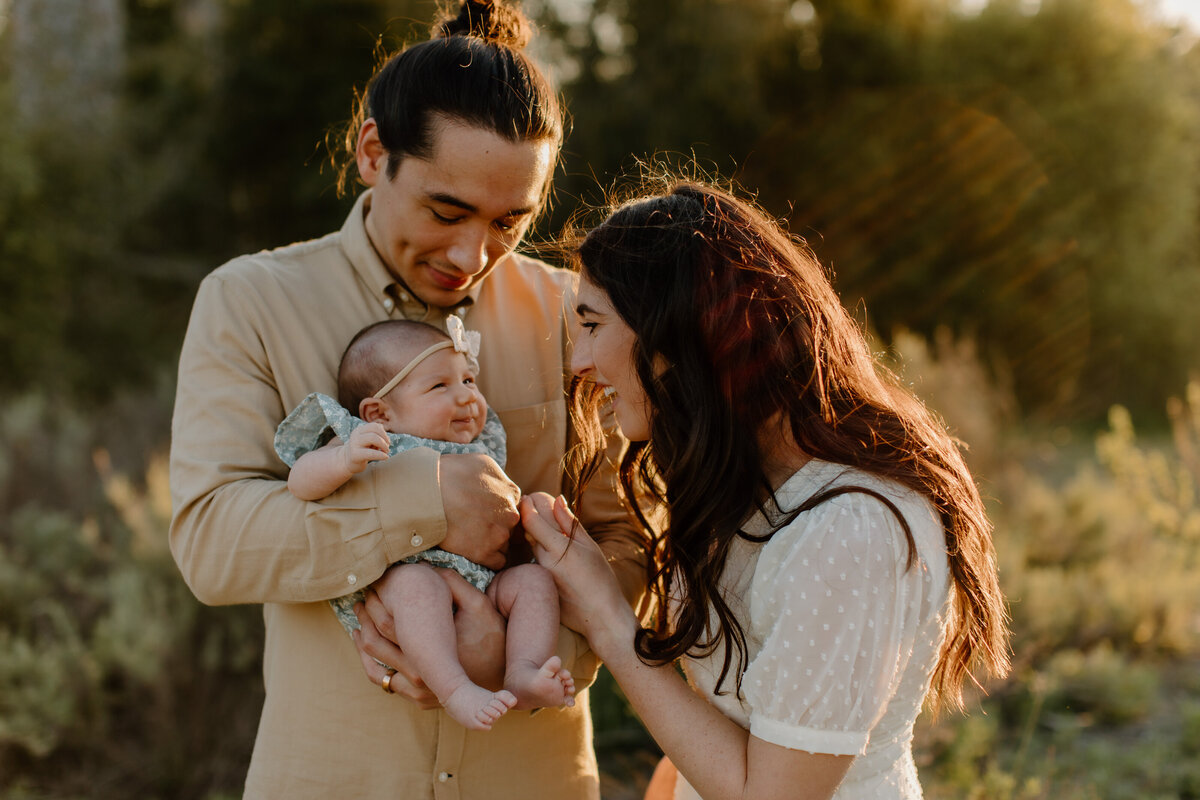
(237,534)
(837,613)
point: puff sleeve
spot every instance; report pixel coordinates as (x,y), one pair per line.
(837,613)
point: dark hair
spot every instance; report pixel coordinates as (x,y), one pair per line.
(473,70)
(376,353)
(737,324)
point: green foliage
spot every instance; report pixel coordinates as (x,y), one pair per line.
(1023,178)
(107,662)
(212,146)
(1097,557)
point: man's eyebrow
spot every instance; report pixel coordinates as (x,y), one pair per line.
(451,200)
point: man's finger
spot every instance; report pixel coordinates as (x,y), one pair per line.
(465,595)
(379,615)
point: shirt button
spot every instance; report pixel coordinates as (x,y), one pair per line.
(462,311)
(389,304)
(404,297)
(351,579)
(416,540)
(443,777)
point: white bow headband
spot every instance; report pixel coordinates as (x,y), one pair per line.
(462,340)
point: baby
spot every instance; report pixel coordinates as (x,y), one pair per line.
(423,394)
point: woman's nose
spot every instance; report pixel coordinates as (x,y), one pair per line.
(581,357)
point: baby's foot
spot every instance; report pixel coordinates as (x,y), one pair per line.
(476,708)
(547,686)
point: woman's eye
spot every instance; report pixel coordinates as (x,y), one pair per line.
(590,327)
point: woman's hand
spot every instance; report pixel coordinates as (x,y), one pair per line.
(589,595)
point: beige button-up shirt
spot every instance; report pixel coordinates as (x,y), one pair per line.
(266,330)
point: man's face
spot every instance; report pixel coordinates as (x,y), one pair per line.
(443,223)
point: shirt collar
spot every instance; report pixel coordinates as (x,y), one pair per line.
(392,293)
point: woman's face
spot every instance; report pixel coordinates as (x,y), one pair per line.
(604,353)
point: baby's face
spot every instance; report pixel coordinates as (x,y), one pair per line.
(438,400)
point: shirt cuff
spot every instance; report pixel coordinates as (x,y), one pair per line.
(794,737)
(411,516)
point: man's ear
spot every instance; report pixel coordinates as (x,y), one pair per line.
(370,154)
(372,409)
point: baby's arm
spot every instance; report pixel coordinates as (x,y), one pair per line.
(323,471)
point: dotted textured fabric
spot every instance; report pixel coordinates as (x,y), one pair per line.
(842,638)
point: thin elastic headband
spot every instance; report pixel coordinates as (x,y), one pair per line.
(409,367)
(462,340)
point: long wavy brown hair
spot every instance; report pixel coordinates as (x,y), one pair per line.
(737,327)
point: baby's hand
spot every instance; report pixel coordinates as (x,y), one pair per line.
(367,443)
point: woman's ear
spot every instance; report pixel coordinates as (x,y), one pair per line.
(372,409)
(369,153)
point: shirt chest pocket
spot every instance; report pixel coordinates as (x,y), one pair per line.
(537,437)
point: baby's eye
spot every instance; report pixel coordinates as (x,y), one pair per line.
(468,381)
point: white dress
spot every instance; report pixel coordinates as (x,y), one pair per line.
(842,640)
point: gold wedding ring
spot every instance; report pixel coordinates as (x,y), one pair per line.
(386,683)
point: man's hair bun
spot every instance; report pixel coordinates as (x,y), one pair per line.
(488,20)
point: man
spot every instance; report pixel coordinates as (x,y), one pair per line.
(459,138)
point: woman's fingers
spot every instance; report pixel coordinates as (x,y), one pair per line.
(565,518)
(537,517)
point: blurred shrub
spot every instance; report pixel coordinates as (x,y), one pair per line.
(1110,555)
(1103,684)
(1097,550)
(107,662)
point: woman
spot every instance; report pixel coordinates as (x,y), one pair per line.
(826,563)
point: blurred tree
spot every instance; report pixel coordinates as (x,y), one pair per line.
(1025,175)
(145,142)
(1105,99)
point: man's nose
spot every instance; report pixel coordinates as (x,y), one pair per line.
(469,252)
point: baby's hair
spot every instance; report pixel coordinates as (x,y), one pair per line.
(378,352)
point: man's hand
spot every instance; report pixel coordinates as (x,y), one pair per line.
(374,646)
(480,629)
(478,625)
(480,502)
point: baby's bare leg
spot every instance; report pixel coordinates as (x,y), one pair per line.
(422,607)
(525,594)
